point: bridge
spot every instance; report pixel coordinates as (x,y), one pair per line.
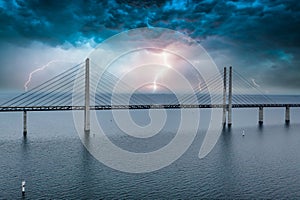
(60,94)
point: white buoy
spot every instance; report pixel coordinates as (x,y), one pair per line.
(243,133)
(23,188)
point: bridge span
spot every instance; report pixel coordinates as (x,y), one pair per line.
(140,107)
(45,98)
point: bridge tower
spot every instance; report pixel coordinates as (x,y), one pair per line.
(224,98)
(230,98)
(87,97)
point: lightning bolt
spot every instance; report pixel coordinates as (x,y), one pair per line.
(41,68)
(165,60)
(147,23)
(200,87)
(254,83)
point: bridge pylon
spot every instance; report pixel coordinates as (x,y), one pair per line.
(87,97)
(224,98)
(229,123)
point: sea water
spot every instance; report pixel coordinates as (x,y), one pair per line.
(55,165)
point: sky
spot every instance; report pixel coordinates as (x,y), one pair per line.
(260,39)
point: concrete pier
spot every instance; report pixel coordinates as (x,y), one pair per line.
(224,98)
(87,97)
(25,123)
(230,98)
(261,115)
(287,114)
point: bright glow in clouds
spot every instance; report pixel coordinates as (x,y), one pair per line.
(161,63)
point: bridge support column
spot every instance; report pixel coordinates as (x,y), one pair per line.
(261,115)
(25,123)
(87,97)
(224,98)
(230,98)
(287,114)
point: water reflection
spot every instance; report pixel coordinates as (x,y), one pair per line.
(226,162)
(23,170)
(287,125)
(86,168)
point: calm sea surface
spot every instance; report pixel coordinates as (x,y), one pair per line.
(265,163)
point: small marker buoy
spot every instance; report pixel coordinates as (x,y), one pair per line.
(243,133)
(23,188)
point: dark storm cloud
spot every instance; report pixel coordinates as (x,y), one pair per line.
(56,22)
(261,34)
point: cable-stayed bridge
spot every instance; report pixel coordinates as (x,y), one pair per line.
(71,90)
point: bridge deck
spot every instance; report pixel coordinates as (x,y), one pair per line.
(124,107)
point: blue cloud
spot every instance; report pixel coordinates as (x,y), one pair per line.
(57,22)
(247,30)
